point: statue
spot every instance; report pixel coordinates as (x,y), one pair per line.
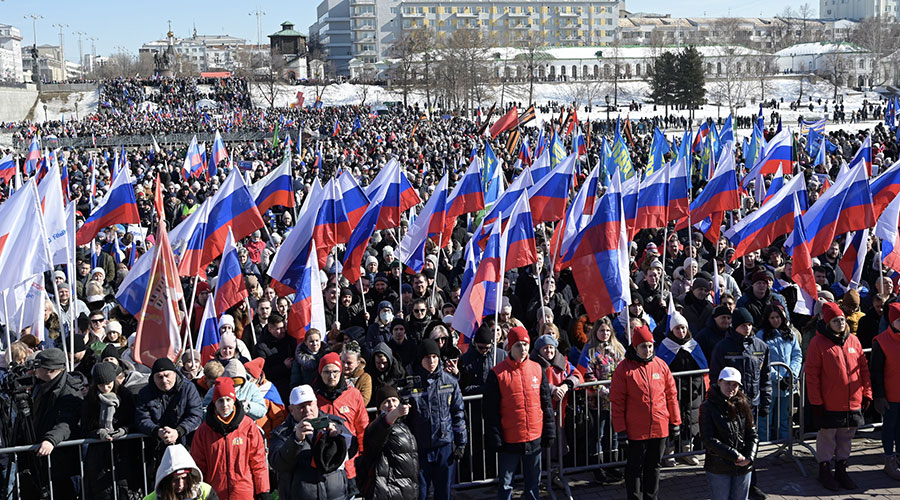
(35,66)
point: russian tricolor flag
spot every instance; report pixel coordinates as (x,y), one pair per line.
(653,200)
(430,224)
(854,257)
(33,157)
(337,128)
(600,262)
(548,197)
(332,227)
(775,218)
(845,207)
(577,216)
(7,168)
(193,160)
(541,167)
(679,189)
(208,337)
(517,240)
(292,257)
(887,230)
(308,309)
(778,151)
(801,264)
(232,207)
(776,184)
(721,192)
(117,207)
(275,189)
(467,195)
(353,197)
(864,156)
(477,300)
(399,195)
(219,153)
(230,288)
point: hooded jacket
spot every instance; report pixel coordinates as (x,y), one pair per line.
(643,398)
(301,476)
(437,417)
(727,432)
(231,455)
(176,457)
(247,392)
(837,376)
(394,373)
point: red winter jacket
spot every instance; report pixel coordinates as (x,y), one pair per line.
(643,398)
(837,373)
(348,404)
(232,456)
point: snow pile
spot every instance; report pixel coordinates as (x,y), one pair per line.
(59,105)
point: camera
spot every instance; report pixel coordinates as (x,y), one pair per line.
(318,423)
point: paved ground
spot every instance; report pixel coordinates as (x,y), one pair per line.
(780,477)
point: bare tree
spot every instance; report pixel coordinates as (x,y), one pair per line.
(882,38)
(404,56)
(837,70)
(731,87)
(467,52)
(761,67)
(806,13)
(533,55)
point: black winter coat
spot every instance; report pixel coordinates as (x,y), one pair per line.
(181,409)
(474,368)
(98,481)
(750,355)
(292,460)
(725,435)
(391,461)
(691,390)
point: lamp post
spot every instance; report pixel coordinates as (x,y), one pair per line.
(607,108)
(34,18)
(76,106)
(45,113)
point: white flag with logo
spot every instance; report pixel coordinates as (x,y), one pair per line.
(24,251)
(54,208)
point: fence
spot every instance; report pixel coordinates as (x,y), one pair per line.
(585,439)
(162,140)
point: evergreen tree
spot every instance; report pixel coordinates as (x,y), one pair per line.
(663,80)
(690,87)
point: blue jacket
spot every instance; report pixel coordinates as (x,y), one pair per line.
(437,417)
(750,355)
(784,351)
(180,409)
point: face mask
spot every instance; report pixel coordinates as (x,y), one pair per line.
(387,316)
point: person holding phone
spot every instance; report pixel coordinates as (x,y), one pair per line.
(390,465)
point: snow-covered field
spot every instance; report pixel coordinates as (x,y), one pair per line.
(786,88)
(64,104)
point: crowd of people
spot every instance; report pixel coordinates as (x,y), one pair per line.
(373,405)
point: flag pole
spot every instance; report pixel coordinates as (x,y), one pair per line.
(6,315)
(434,285)
(190,309)
(500,290)
(252,328)
(337,286)
(70,358)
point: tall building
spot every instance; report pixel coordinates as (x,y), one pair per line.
(359,33)
(51,66)
(10,54)
(859,9)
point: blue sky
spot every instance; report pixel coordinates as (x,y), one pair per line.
(130,23)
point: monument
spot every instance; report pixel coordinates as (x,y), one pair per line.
(163,60)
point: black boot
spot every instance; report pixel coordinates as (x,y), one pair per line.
(826,478)
(841,476)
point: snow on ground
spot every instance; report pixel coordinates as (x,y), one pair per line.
(59,105)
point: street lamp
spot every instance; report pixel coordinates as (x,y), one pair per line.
(76,106)
(45,114)
(34,18)
(607,107)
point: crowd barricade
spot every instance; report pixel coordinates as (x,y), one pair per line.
(585,438)
(146,140)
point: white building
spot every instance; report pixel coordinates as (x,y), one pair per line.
(51,66)
(10,54)
(850,64)
(858,9)
(359,33)
(205,52)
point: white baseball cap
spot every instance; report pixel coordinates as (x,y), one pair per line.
(304,394)
(728,373)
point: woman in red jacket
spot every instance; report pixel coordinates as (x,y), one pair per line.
(228,448)
(644,405)
(839,391)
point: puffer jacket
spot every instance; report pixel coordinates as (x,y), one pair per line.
(837,376)
(231,456)
(885,365)
(725,435)
(250,397)
(347,403)
(180,409)
(292,460)
(518,408)
(643,398)
(437,416)
(391,461)
(750,355)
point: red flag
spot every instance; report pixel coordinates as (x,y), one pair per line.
(160,319)
(158,199)
(506,122)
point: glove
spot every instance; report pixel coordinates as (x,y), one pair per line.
(623,436)
(674,430)
(818,414)
(103,434)
(547,443)
(784,384)
(120,432)
(866,403)
(261,496)
(458,452)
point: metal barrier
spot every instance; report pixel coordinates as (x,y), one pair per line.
(585,438)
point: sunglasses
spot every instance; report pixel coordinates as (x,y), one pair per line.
(99,320)
(418,310)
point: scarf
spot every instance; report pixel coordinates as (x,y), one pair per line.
(669,348)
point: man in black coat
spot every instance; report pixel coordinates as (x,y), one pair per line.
(56,409)
(277,348)
(168,408)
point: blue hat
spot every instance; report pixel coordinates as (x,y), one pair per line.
(545,340)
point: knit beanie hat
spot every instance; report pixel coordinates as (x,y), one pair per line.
(640,335)
(545,340)
(741,316)
(428,347)
(224,387)
(163,365)
(332,358)
(385,392)
(518,334)
(103,373)
(677,319)
(830,310)
(894,311)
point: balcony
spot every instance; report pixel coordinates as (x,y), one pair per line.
(518,14)
(520,27)
(366,39)
(363,15)
(411,15)
(361,2)
(568,14)
(467,15)
(365,27)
